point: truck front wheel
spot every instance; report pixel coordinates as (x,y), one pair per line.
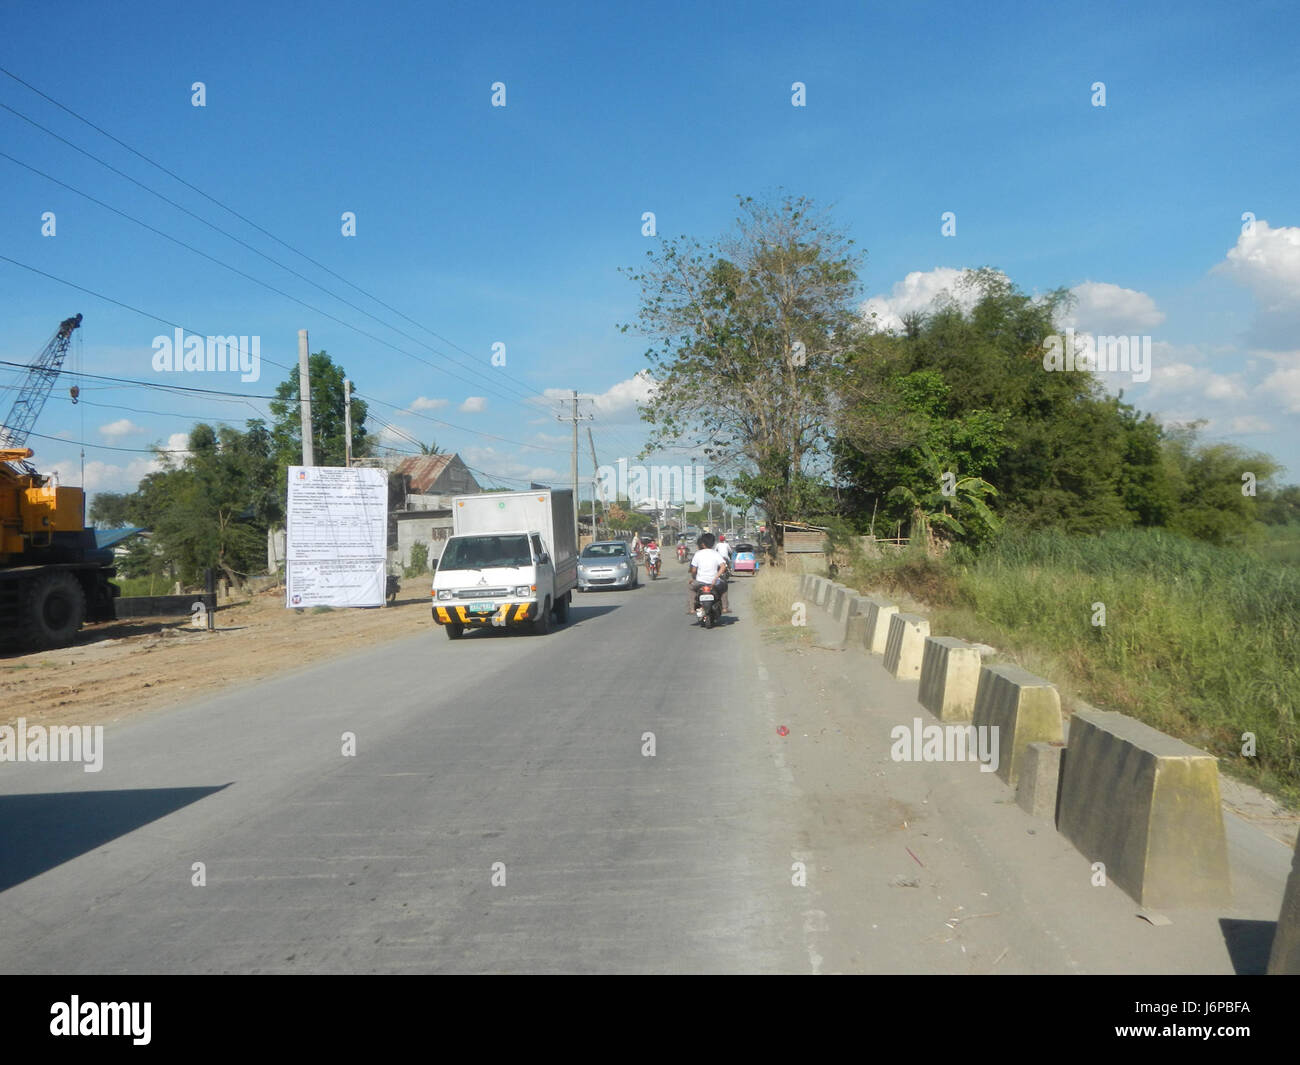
(542,623)
(55,609)
(454,629)
(562,609)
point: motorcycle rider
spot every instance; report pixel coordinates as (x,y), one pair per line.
(724,549)
(707,567)
(652,554)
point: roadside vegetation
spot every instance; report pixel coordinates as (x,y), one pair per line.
(1199,641)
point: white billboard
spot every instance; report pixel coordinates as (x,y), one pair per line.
(336,541)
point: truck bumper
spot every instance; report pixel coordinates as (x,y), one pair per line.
(505,614)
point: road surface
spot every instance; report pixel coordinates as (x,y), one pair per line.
(501,814)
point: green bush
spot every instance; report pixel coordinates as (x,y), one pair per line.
(419,560)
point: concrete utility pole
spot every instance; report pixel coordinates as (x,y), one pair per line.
(347,423)
(595,485)
(304,400)
(575,418)
(574,462)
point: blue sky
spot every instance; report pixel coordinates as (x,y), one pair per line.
(509,224)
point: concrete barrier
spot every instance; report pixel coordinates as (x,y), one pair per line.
(950,677)
(837,596)
(1147,805)
(847,608)
(1285,958)
(879,611)
(821,589)
(1040,780)
(1026,709)
(905,645)
(856,634)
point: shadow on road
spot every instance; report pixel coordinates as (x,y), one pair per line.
(38,832)
(1249,944)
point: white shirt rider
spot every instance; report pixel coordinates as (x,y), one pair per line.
(724,549)
(707,563)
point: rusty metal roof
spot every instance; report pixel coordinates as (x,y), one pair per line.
(423,471)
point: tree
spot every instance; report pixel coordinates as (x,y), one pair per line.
(1208,478)
(211,508)
(749,333)
(970,386)
(328,427)
(111,510)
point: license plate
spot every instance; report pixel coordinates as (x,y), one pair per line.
(482,608)
(706,599)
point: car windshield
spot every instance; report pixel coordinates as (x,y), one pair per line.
(604,551)
(485,552)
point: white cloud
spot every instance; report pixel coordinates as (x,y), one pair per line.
(1250,423)
(120,428)
(1109,310)
(917,292)
(1267,262)
(621,399)
(473,405)
(1185,373)
(489,464)
(424,403)
(1283,384)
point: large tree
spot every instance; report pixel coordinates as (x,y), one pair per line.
(748,336)
(327,421)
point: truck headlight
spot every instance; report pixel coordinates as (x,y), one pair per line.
(444,593)
(525,590)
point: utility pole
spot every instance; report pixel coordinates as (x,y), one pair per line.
(575,418)
(595,485)
(574,463)
(347,423)
(304,400)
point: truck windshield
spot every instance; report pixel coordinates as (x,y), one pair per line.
(485,552)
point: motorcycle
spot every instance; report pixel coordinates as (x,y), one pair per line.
(681,552)
(708,603)
(652,564)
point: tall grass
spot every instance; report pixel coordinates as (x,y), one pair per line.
(1199,641)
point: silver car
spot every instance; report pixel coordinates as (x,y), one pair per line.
(606,564)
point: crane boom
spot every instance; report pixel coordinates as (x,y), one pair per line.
(36,388)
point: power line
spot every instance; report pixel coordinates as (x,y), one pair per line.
(267,285)
(242,243)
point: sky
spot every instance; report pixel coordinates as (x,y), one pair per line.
(1171,211)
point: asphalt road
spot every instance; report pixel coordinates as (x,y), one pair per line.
(519,759)
(498,748)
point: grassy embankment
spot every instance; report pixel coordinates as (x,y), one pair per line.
(1200,642)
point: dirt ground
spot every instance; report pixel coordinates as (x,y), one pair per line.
(139,664)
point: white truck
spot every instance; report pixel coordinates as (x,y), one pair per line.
(512,560)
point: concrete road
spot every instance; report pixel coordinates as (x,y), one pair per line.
(499,748)
(520,758)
